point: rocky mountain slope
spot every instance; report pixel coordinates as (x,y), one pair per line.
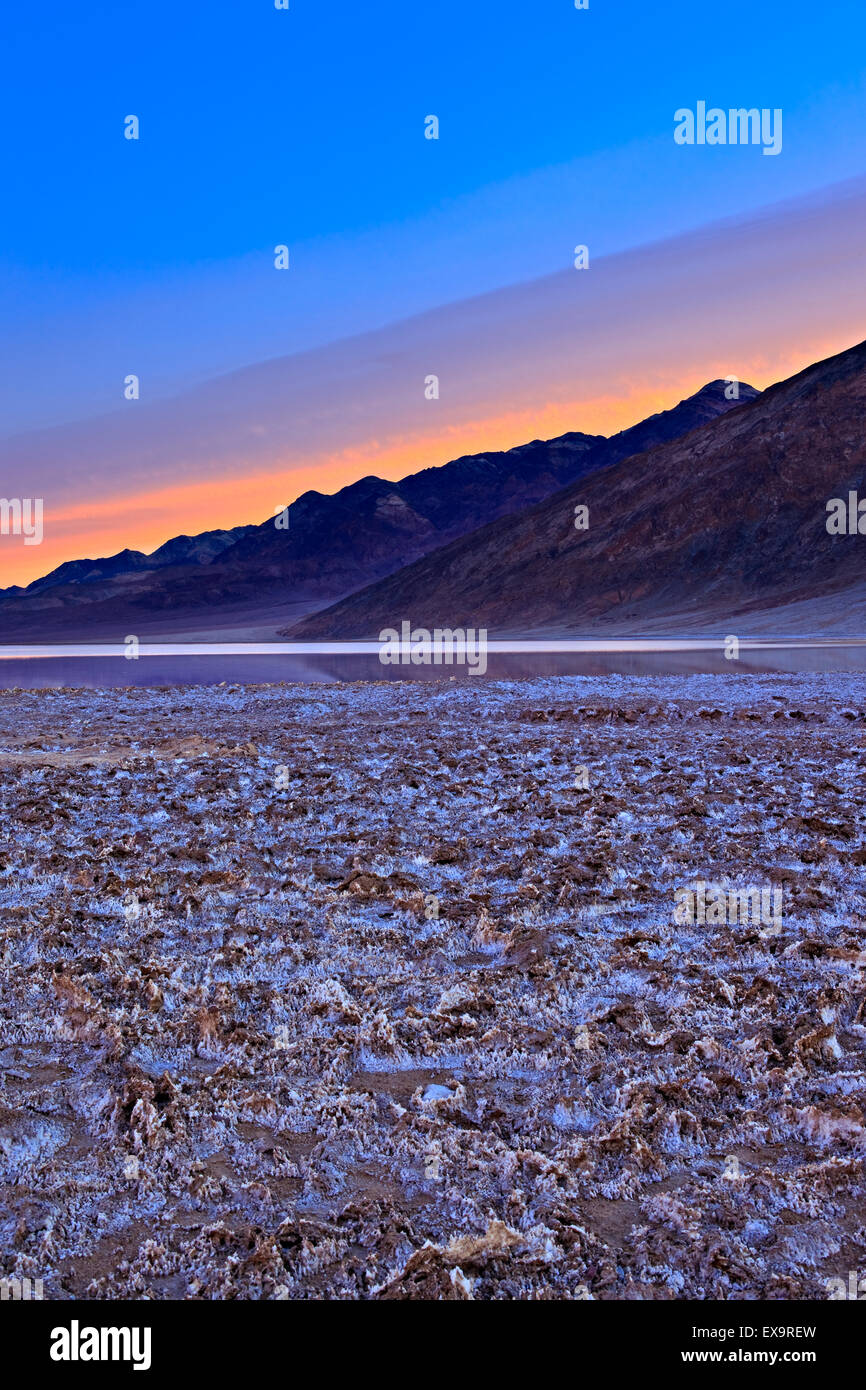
(729,517)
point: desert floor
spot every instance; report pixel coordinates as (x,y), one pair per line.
(356,992)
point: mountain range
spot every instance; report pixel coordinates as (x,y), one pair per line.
(729,518)
(337,545)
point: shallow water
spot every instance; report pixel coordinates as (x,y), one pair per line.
(96,671)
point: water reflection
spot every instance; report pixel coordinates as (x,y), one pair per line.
(167,670)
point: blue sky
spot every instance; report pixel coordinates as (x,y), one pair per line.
(306,127)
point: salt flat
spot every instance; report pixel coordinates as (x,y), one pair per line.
(376,990)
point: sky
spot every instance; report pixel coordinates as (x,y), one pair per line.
(408,256)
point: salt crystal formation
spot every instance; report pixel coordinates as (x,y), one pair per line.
(413,1018)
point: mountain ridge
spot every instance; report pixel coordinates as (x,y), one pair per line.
(725,518)
(339,543)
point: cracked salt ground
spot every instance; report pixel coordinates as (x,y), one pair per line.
(242,1056)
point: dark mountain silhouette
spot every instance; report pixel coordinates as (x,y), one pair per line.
(730,517)
(336,544)
(181,550)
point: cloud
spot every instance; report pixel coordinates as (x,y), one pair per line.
(593,350)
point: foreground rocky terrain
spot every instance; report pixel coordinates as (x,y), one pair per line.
(376,991)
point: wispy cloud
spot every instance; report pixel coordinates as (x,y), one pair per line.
(592,350)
